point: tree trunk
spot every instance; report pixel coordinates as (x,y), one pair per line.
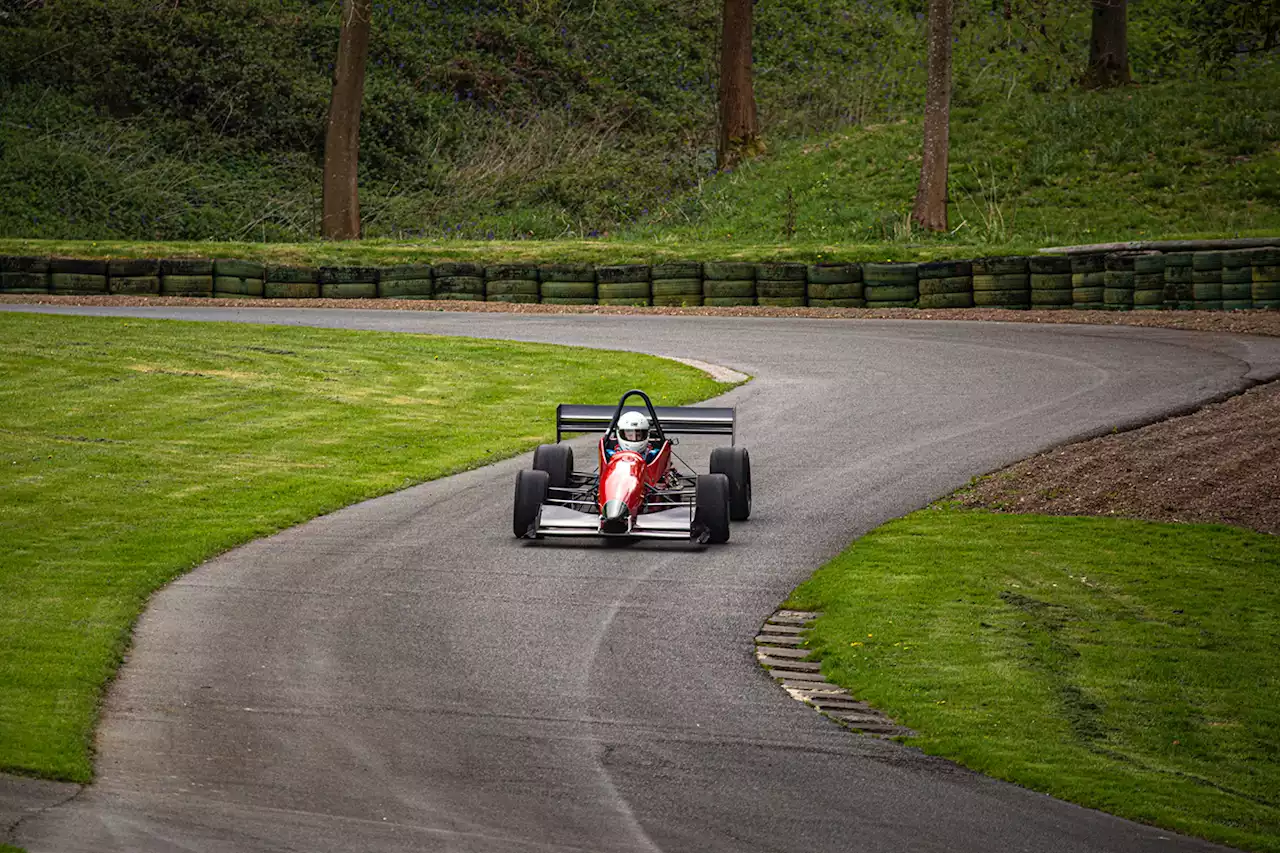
(341,206)
(1109,45)
(739,127)
(930,210)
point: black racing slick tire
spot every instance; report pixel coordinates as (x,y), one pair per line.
(557,461)
(531,491)
(711,507)
(735,464)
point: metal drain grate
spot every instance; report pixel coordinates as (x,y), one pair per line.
(780,649)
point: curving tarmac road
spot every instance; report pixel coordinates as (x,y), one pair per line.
(404,676)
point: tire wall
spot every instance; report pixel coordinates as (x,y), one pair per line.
(1119,281)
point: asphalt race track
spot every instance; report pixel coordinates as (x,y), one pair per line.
(405,676)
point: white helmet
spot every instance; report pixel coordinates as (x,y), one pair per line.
(633,432)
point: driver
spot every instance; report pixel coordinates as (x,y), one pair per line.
(633,434)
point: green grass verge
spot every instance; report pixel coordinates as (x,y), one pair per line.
(1123,665)
(133,450)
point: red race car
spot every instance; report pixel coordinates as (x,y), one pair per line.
(636,491)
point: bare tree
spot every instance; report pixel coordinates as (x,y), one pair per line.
(341,205)
(739,126)
(931,197)
(1108,45)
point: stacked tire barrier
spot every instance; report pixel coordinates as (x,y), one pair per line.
(677,284)
(728,284)
(568,284)
(292,283)
(1088,282)
(1119,281)
(781,285)
(834,286)
(1001,283)
(1237,281)
(133,277)
(1148,282)
(946,284)
(238,279)
(458,281)
(891,285)
(1265,264)
(626,284)
(410,281)
(511,283)
(1119,277)
(24,275)
(1206,280)
(1177,281)
(1051,281)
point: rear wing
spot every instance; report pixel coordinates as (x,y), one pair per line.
(677,420)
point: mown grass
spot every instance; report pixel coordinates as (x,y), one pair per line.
(1124,665)
(133,450)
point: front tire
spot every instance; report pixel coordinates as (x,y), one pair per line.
(711,506)
(735,464)
(557,461)
(531,492)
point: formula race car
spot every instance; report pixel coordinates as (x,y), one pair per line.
(636,491)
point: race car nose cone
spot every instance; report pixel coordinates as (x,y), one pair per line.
(614,518)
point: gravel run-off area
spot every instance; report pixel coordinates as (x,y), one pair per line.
(1220,464)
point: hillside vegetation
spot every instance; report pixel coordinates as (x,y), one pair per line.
(517,119)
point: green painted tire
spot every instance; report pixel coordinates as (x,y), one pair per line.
(727,301)
(1207,291)
(943,286)
(1148,298)
(402,272)
(1051,297)
(944,269)
(780,301)
(840,292)
(574,290)
(1148,281)
(1000,266)
(1119,262)
(1088,306)
(231,286)
(567,273)
(1237,304)
(676,287)
(186,267)
(613,291)
(567,300)
(135,285)
(78,266)
(1208,305)
(347,275)
(1087,264)
(770,289)
(837,303)
(514,298)
(780,272)
(1266,291)
(1178,275)
(186,285)
(1088,279)
(1149,265)
(1268,304)
(1087,295)
(946,300)
(1238,258)
(1177,260)
(511,287)
(1009,281)
(349,290)
(686,301)
(1237,292)
(78,283)
(636,303)
(716,289)
(623,274)
(456,287)
(232,268)
(291,289)
(892,303)
(1266,273)
(1055,281)
(405,288)
(1206,261)
(133,268)
(1049,265)
(1117,296)
(24,282)
(894,293)
(833,274)
(728,271)
(890,274)
(459,297)
(1001,298)
(1237,275)
(676,269)
(458,269)
(298,275)
(511,272)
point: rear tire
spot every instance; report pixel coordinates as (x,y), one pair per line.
(531,491)
(711,506)
(735,463)
(557,461)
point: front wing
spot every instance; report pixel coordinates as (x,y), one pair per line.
(674,523)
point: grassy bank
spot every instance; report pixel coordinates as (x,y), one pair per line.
(131,451)
(1124,665)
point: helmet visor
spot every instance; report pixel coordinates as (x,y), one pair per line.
(634,434)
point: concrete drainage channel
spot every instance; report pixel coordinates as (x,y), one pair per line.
(780,649)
